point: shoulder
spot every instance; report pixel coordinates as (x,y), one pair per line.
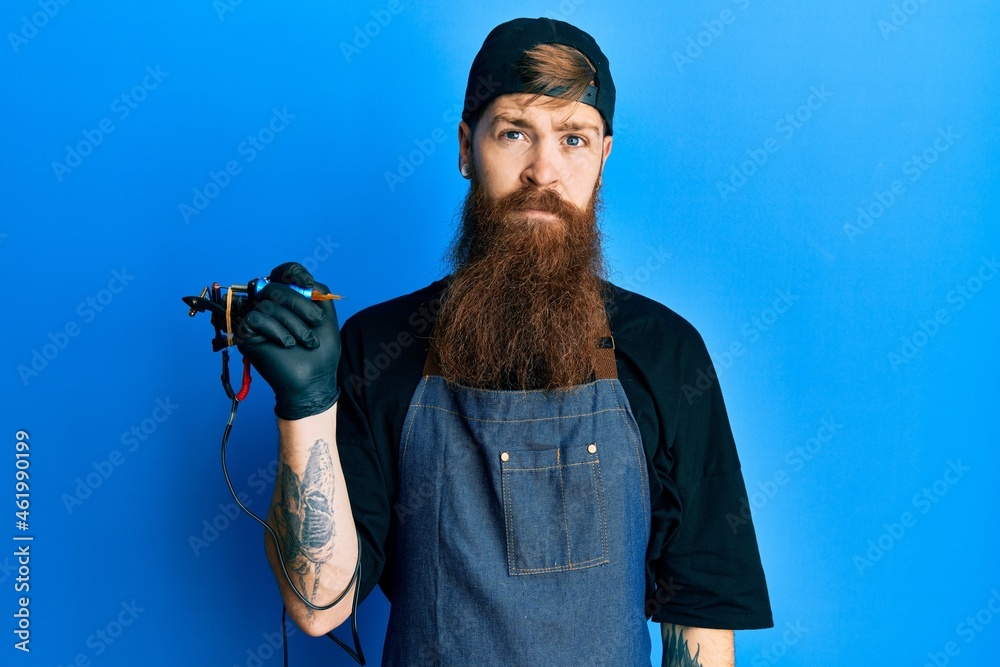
(410,314)
(383,348)
(647,329)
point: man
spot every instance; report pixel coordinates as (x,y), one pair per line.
(512,447)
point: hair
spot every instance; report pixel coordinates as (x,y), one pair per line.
(555,70)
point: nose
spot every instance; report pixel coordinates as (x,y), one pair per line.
(542,169)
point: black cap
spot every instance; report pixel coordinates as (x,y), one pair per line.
(495,69)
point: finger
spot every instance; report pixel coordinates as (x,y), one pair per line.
(246,340)
(290,322)
(292,273)
(303,308)
(257,324)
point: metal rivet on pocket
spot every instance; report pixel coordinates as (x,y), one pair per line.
(504,456)
(592,448)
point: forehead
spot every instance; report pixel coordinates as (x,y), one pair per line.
(544,112)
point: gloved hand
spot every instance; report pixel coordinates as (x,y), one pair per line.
(294,343)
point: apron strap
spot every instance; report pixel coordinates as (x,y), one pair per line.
(605,367)
(431,366)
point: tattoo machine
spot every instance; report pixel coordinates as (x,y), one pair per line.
(228,306)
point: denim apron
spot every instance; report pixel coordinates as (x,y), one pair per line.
(522,524)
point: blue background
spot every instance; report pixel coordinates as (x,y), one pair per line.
(828,217)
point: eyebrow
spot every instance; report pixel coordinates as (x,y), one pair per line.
(518,121)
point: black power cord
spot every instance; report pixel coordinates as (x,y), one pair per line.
(357,654)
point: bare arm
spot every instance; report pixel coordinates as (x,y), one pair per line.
(311,513)
(685,646)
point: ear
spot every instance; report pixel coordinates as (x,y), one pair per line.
(604,156)
(464,145)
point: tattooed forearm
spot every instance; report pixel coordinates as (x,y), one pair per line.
(676,652)
(303,515)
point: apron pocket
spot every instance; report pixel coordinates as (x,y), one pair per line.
(554,510)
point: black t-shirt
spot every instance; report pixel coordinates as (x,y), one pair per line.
(702,563)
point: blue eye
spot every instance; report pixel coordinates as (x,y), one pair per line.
(510,132)
(574,140)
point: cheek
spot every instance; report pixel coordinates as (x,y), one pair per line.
(582,190)
(498,179)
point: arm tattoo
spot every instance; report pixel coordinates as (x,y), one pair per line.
(304,515)
(675,650)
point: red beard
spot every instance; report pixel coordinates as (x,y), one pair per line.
(524,309)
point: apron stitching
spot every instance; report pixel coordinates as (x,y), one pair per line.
(568,465)
(562,494)
(640,460)
(406,443)
(599,483)
(505,482)
(597,560)
(517,421)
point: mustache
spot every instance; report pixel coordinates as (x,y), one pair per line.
(543,199)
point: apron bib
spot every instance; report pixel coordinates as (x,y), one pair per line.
(522,524)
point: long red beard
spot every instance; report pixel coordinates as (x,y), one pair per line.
(524,309)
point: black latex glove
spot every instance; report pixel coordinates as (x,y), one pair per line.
(294,343)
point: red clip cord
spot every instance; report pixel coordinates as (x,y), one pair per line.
(245,389)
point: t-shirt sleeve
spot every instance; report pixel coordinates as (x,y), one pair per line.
(366,467)
(708,572)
